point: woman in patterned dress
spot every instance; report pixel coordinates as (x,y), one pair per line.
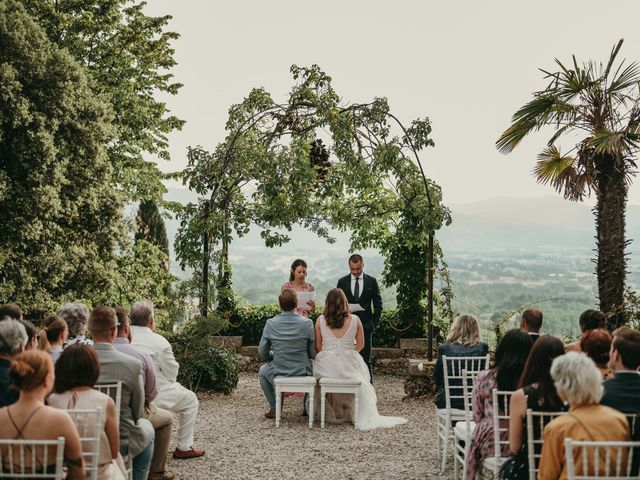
(511,355)
(298,282)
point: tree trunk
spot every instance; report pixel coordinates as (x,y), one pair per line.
(206,258)
(610,237)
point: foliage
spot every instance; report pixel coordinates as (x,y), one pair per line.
(631,309)
(129,57)
(60,217)
(151,227)
(601,104)
(201,365)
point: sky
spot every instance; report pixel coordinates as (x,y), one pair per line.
(467,65)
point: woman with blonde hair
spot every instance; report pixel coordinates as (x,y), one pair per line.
(339,338)
(53,334)
(463,341)
(30,419)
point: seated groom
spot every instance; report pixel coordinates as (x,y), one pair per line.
(288,344)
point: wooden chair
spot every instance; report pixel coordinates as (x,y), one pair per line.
(536,421)
(464,428)
(89,425)
(295,384)
(339,385)
(500,427)
(452,370)
(606,460)
(18,458)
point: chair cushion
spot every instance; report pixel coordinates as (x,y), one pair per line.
(460,430)
(295,380)
(456,413)
(493,463)
(339,381)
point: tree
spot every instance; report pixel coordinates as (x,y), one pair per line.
(60,218)
(151,227)
(599,104)
(129,57)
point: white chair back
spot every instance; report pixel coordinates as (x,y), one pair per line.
(89,425)
(453,368)
(31,459)
(501,401)
(468,380)
(114,390)
(536,421)
(606,460)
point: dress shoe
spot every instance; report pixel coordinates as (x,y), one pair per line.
(161,476)
(191,453)
(270,414)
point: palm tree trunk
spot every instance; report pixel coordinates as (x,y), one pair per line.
(610,237)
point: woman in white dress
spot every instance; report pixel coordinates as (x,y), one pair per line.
(339,338)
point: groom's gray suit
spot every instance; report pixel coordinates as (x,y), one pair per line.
(288,344)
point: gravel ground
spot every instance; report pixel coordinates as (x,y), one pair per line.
(242,444)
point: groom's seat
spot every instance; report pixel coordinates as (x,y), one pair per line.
(298,385)
(339,385)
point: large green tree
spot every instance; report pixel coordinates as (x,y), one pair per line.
(60,217)
(596,105)
(129,57)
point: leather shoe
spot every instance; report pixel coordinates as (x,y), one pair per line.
(161,476)
(270,414)
(191,453)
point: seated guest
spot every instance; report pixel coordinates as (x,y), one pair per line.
(589,320)
(536,392)
(160,418)
(76,315)
(136,433)
(511,355)
(288,344)
(579,383)
(30,419)
(622,391)
(171,395)
(531,322)
(463,341)
(53,334)
(32,334)
(10,310)
(13,339)
(596,344)
(77,372)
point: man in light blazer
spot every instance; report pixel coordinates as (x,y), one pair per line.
(171,395)
(363,290)
(136,433)
(288,343)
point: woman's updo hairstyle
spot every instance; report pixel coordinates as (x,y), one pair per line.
(29,369)
(296,263)
(52,328)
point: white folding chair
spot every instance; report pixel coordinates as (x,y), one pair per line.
(452,372)
(500,429)
(606,460)
(114,390)
(24,458)
(89,425)
(536,421)
(464,428)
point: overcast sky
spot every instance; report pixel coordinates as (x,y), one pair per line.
(467,65)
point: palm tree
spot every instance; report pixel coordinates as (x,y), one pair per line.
(599,106)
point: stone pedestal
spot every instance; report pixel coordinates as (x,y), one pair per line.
(419,382)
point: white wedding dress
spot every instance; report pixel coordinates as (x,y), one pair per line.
(338,359)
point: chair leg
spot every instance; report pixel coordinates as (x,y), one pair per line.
(445,444)
(356,408)
(322,407)
(278,406)
(311,407)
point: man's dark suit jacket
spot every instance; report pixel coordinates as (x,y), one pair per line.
(370,299)
(622,392)
(8,395)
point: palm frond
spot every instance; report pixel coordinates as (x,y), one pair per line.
(513,135)
(628,78)
(551,165)
(612,143)
(612,57)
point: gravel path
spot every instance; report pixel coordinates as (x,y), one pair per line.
(242,444)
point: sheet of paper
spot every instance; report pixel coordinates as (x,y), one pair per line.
(355,307)
(303,298)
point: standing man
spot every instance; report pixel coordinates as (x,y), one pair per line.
(531,323)
(363,295)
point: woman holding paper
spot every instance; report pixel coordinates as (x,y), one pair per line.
(298,282)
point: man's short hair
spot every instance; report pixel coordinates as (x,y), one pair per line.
(101,321)
(11,310)
(141,313)
(626,341)
(592,319)
(532,318)
(13,337)
(123,319)
(356,258)
(288,299)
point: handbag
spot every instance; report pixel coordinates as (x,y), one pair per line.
(516,467)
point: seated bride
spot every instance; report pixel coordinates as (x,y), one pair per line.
(339,338)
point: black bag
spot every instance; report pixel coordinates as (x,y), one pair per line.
(516,467)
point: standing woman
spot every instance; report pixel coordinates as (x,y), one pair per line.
(298,282)
(53,335)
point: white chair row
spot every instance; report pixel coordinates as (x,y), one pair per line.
(308,385)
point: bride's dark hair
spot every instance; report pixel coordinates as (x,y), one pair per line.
(336,308)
